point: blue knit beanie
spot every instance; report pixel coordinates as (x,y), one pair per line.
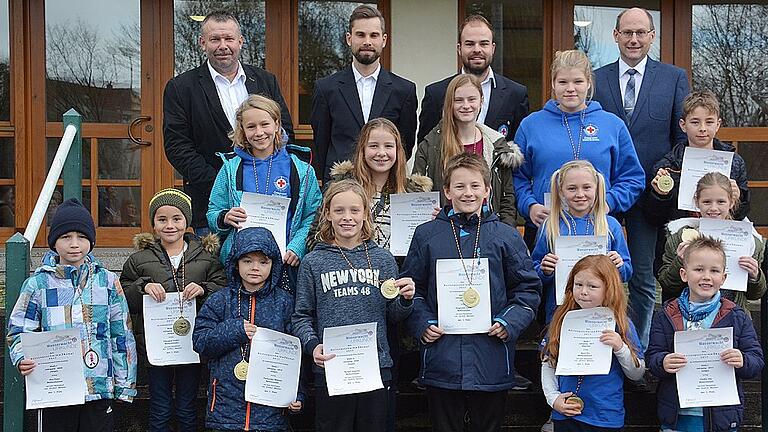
(70,216)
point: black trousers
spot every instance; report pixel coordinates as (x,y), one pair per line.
(362,412)
(94,416)
(572,425)
(448,409)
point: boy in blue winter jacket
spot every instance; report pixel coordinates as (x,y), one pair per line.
(700,306)
(255,297)
(470,372)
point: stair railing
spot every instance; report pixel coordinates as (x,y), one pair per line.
(17,253)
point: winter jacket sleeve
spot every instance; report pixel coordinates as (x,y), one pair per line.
(416,266)
(303,319)
(219,203)
(215,278)
(524,175)
(507,210)
(627,177)
(216,334)
(669,274)
(749,345)
(756,288)
(523,287)
(421,159)
(25,317)
(124,360)
(659,345)
(133,284)
(312,199)
(619,244)
(539,252)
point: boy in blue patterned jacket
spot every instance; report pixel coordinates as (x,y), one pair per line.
(72,290)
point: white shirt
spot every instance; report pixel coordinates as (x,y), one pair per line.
(624,76)
(366,86)
(231,93)
(488,84)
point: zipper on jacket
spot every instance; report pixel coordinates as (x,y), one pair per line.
(506,351)
(213,394)
(424,363)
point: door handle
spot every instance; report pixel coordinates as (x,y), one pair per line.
(136,121)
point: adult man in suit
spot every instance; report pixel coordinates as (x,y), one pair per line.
(199,109)
(648,95)
(343,102)
(505,102)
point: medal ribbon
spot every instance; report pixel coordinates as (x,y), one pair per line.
(469,276)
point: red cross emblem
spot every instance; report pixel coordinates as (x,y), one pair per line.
(280,183)
(590,129)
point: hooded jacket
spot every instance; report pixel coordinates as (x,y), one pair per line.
(330,294)
(665,323)
(546,146)
(669,274)
(476,361)
(305,197)
(660,209)
(501,156)
(219,335)
(345,171)
(150,263)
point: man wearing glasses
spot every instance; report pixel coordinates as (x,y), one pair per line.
(648,96)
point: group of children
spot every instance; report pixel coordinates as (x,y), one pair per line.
(337,270)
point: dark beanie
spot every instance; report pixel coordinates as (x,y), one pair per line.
(171,197)
(70,216)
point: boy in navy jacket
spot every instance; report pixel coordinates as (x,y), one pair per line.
(470,372)
(700,307)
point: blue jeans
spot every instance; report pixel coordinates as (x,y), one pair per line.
(161,382)
(641,240)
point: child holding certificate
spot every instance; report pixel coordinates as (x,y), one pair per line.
(592,402)
(174,263)
(701,306)
(72,290)
(262,164)
(487,250)
(716,199)
(348,280)
(579,207)
(255,297)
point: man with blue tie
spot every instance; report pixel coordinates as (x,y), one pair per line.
(648,96)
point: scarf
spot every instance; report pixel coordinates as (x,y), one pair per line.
(695,312)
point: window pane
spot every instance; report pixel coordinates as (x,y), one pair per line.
(729,55)
(519,37)
(188,17)
(119,159)
(53,146)
(758,207)
(7,157)
(58,197)
(593,24)
(93,63)
(120,206)
(323,48)
(5,63)
(7,206)
(755,155)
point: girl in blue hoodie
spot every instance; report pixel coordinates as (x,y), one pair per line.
(571,126)
(261,163)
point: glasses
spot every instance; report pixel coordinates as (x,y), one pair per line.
(641,34)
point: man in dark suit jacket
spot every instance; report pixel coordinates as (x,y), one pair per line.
(508,101)
(196,123)
(648,96)
(340,109)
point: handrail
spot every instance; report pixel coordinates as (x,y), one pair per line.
(36,220)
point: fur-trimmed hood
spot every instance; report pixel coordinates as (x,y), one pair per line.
(416,183)
(210,243)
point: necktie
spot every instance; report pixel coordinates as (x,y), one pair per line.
(629,93)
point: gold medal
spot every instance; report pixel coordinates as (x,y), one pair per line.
(665,183)
(389,290)
(181,326)
(241,370)
(577,400)
(471,297)
(689,234)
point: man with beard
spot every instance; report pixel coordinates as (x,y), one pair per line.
(199,109)
(505,102)
(345,101)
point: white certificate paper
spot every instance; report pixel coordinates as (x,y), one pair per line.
(407,211)
(737,242)
(355,369)
(696,163)
(705,380)
(164,347)
(58,379)
(581,352)
(273,369)
(267,211)
(453,316)
(569,250)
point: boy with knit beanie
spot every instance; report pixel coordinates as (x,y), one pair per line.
(72,290)
(171,262)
